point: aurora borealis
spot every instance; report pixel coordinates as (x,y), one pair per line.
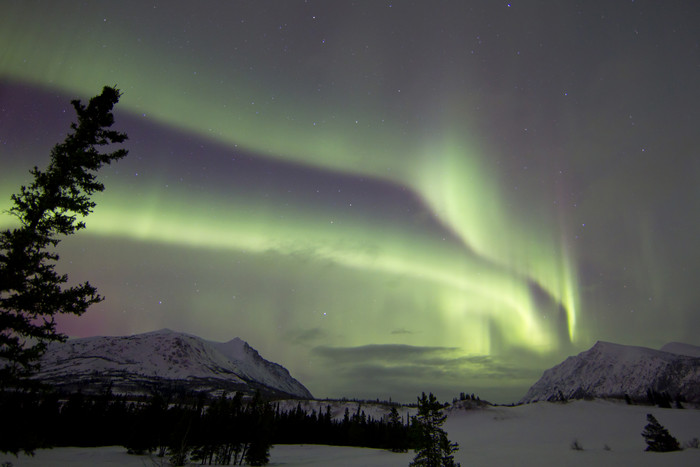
(384,197)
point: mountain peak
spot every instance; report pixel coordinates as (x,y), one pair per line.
(138,362)
(159,331)
(615,370)
(605,345)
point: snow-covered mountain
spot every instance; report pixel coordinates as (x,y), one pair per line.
(682,349)
(614,370)
(164,359)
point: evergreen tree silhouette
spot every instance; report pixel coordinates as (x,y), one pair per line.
(397,440)
(434,448)
(658,438)
(257,451)
(31,292)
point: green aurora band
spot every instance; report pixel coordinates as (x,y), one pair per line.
(487,275)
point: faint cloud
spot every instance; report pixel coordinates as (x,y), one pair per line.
(384,352)
(306,336)
(394,361)
(403,371)
(402,331)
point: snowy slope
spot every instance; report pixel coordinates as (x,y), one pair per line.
(252,366)
(682,349)
(532,435)
(614,370)
(140,362)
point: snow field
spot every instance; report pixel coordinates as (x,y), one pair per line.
(530,435)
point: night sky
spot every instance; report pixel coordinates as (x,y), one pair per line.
(385,197)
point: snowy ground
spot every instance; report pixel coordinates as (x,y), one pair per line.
(541,434)
(531,435)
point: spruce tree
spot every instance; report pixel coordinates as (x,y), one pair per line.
(396,433)
(658,438)
(434,448)
(31,292)
(258,451)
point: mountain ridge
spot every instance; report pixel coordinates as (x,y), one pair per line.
(621,371)
(164,358)
(682,349)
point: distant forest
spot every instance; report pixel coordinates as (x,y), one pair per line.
(194,428)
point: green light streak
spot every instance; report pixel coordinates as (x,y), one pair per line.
(467,285)
(467,288)
(464,194)
(488,277)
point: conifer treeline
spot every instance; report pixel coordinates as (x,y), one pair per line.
(195,428)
